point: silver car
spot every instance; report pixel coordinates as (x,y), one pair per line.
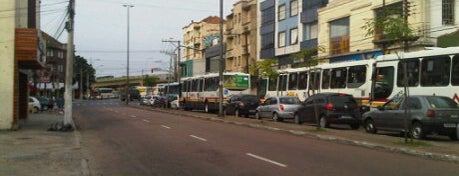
(278,108)
(428,114)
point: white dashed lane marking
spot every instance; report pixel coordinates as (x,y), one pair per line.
(198,138)
(266,160)
(164,126)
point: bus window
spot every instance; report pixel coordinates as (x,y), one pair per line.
(282,82)
(412,66)
(455,71)
(303,80)
(357,75)
(314,77)
(293,81)
(338,79)
(201,85)
(272,85)
(435,71)
(384,82)
(326,74)
(211,84)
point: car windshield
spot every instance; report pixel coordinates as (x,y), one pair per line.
(289,100)
(441,102)
(342,99)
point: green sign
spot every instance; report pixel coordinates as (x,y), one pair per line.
(236,81)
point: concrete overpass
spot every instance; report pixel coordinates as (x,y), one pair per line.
(118,82)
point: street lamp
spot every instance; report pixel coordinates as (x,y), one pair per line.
(128,6)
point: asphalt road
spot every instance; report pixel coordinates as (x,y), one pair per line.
(121,140)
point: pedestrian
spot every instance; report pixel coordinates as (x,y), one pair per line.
(60,103)
(51,103)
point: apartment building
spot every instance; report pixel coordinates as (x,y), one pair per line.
(20,53)
(342,35)
(197,36)
(241,36)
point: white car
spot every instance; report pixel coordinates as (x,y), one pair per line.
(34,104)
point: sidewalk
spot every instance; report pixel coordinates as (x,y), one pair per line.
(34,151)
(436,147)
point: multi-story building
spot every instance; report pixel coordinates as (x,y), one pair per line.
(266,31)
(287,30)
(241,36)
(53,75)
(197,36)
(342,35)
(20,53)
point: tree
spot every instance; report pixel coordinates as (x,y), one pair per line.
(149,81)
(307,56)
(264,68)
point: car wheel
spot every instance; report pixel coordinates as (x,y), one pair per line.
(323,122)
(236,112)
(276,117)
(36,109)
(257,115)
(370,126)
(417,131)
(297,119)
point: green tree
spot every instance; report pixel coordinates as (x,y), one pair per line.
(307,56)
(264,68)
(149,81)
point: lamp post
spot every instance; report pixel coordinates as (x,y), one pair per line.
(128,6)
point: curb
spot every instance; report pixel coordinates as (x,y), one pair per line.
(364,144)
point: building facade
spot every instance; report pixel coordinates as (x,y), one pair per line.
(20,53)
(241,36)
(197,36)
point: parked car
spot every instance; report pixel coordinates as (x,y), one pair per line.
(173,100)
(428,114)
(241,104)
(332,108)
(43,102)
(278,108)
(34,104)
(145,100)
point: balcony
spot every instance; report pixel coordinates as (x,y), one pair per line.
(26,48)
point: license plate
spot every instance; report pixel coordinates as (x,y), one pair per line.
(449,125)
(346,117)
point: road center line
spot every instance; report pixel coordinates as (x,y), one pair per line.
(267,160)
(164,126)
(146,121)
(199,138)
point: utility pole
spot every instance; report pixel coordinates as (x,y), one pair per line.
(220,72)
(177,72)
(68,96)
(128,96)
(406,13)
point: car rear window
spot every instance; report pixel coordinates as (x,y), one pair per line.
(441,102)
(251,99)
(289,100)
(342,99)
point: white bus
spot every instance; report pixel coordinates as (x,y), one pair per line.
(202,93)
(434,71)
(102,93)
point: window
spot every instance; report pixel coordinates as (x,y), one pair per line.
(412,68)
(302,80)
(293,81)
(293,36)
(447,12)
(282,82)
(272,84)
(326,74)
(455,71)
(293,7)
(281,12)
(435,71)
(281,39)
(339,36)
(310,31)
(338,78)
(357,76)
(384,82)
(267,16)
(314,81)
(211,84)
(267,40)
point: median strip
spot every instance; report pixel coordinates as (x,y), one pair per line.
(267,160)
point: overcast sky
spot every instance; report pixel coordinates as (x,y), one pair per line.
(101,30)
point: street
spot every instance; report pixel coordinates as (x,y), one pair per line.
(123,140)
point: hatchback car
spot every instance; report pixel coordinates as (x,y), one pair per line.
(34,104)
(278,108)
(241,104)
(332,108)
(428,114)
